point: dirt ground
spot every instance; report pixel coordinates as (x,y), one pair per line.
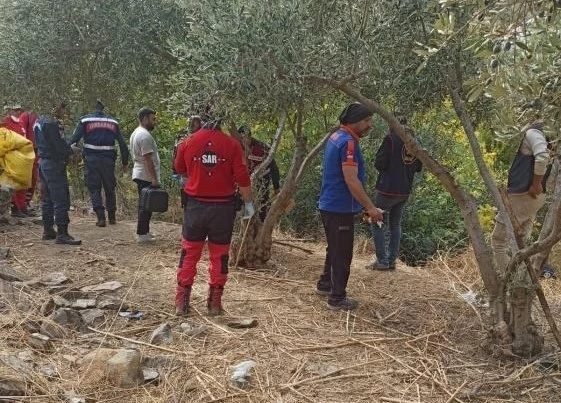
(413,339)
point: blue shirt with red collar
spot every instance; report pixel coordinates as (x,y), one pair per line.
(342,149)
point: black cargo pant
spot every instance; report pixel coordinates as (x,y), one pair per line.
(99,173)
(144,217)
(55,195)
(339,231)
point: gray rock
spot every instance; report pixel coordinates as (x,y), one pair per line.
(8,295)
(15,363)
(4,253)
(9,274)
(48,371)
(61,319)
(150,375)
(242,323)
(31,325)
(112,303)
(192,330)
(11,384)
(124,369)
(160,362)
(61,301)
(93,317)
(162,335)
(40,342)
(84,304)
(26,356)
(107,286)
(47,307)
(48,280)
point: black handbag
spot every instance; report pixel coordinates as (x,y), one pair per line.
(154,200)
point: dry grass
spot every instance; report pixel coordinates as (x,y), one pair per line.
(412,340)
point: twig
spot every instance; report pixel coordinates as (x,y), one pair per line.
(260,277)
(242,242)
(211,322)
(169,350)
(346,344)
(219,399)
(205,387)
(432,379)
(456,392)
(308,251)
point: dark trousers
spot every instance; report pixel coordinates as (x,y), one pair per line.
(144,217)
(339,231)
(55,194)
(99,172)
(202,220)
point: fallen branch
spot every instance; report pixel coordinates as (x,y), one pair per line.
(308,251)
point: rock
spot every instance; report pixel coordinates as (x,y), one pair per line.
(47,307)
(160,362)
(93,317)
(40,342)
(11,384)
(8,295)
(4,254)
(61,319)
(9,274)
(61,301)
(162,335)
(112,303)
(26,356)
(70,294)
(124,369)
(192,330)
(150,375)
(48,280)
(72,397)
(31,325)
(107,286)
(84,304)
(48,371)
(93,366)
(190,385)
(242,323)
(15,363)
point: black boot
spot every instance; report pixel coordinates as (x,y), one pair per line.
(214,300)
(63,237)
(100,218)
(182,299)
(49,233)
(112,218)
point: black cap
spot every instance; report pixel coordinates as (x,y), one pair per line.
(354,112)
(144,112)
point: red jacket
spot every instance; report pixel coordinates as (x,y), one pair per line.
(213,163)
(9,123)
(27,120)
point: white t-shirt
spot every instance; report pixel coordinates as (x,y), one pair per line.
(142,143)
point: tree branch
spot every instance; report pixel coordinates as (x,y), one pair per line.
(274,147)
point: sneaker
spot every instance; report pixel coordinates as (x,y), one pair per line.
(145,238)
(346,304)
(151,235)
(379,266)
(548,271)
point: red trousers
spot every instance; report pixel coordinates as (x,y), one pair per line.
(191,254)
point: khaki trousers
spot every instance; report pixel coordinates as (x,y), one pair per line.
(525,208)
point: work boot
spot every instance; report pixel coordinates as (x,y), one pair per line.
(49,233)
(182,299)
(345,304)
(63,237)
(100,218)
(214,300)
(111,217)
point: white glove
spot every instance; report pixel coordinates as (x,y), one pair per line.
(75,148)
(248,210)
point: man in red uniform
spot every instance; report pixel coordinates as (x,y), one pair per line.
(12,122)
(214,164)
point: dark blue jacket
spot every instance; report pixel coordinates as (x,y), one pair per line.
(49,139)
(396,167)
(99,133)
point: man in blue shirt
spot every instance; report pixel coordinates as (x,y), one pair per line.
(99,133)
(342,195)
(54,153)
